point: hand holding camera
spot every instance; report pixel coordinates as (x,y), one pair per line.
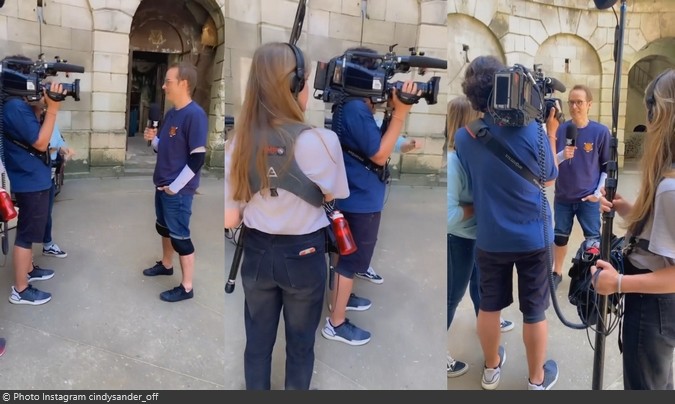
(402,100)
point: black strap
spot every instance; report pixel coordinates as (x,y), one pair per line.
(44,156)
(478,129)
(381,171)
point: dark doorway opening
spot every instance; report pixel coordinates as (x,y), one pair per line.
(147,76)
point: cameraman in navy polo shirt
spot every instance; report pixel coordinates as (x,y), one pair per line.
(181,149)
(26,146)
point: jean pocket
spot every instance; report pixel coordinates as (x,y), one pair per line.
(250,264)
(667,317)
(306,265)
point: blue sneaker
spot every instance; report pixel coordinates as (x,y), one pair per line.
(30,296)
(355,303)
(345,332)
(491,376)
(550,377)
(176,294)
(39,274)
(370,275)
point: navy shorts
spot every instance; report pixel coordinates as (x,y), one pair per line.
(587,213)
(364,228)
(173,212)
(496,282)
(32,218)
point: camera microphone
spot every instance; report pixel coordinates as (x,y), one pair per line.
(555,84)
(154,116)
(423,61)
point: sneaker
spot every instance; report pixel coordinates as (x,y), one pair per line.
(158,269)
(54,251)
(490,379)
(355,303)
(39,274)
(370,275)
(557,279)
(176,294)
(30,296)
(550,377)
(3,344)
(505,325)
(456,368)
(345,332)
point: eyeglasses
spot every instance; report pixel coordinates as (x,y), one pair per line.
(577,103)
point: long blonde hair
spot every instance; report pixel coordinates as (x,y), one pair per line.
(460,113)
(659,143)
(268,103)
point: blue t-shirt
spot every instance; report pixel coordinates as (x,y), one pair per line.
(359,132)
(181,131)
(579,176)
(56,142)
(508,208)
(26,172)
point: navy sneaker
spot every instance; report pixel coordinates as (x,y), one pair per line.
(557,279)
(30,296)
(176,294)
(355,303)
(345,332)
(370,275)
(39,274)
(158,269)
(456,368)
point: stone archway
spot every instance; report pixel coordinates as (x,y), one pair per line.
(162,34)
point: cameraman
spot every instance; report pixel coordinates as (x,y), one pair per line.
(354,122)
(29,174)
(510,230)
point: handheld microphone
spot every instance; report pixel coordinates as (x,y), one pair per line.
(571,134)
(154,116)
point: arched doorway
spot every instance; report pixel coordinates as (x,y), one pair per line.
(163,33)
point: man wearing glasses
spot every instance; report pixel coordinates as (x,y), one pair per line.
(581,175)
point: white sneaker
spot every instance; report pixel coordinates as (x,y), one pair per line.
(490,379)
(54,251)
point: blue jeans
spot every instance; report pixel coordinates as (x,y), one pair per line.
(648,336)
(462,272)
(282,273)
(173,212)
(587,213)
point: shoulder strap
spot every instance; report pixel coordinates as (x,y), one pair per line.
(478,129)
(44,156)
(283,171)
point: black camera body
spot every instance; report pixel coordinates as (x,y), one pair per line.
(363,74)
(520,96)
(21,78)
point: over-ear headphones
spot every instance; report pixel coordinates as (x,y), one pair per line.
(298,80)
(650,101)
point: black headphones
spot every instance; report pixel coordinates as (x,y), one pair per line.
(298,80)
(650,101)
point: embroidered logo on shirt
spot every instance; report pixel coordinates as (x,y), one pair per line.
(588,147)
(272,173)
(173,131)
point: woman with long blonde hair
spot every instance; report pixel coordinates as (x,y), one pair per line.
(648,281)
(278,173)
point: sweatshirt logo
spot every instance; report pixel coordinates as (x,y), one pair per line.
(173,130)
(588,147)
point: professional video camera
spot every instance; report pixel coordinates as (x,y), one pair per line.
(364,74)
(520,96)
(24,78)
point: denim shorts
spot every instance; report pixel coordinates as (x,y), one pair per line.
(364,228)
(173,212)
(587,213)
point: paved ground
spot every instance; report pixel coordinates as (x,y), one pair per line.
(105,327)
(571,348)
(407,317)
